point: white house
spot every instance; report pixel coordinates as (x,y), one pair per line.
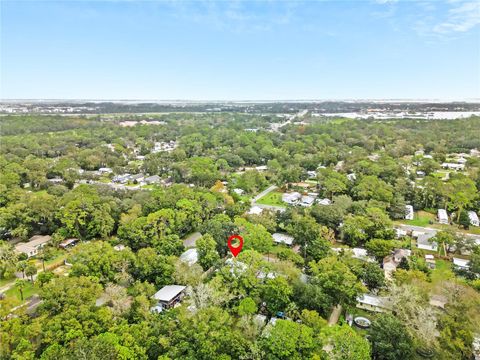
(32,247)
(324,201)
(408,212)
(442,216)
(352,177)
(167,297)
(373,303)
(307,200)
(280,238)
(291,198)
(424,243)
(255,210)
(105,170)
(453,166)
(461,263)
(472,215)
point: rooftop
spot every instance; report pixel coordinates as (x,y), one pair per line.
(168,293)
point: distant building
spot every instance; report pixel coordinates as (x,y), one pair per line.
(68,243)
(255,210)
(312,174)
(190,256)
(32,247)
(352,177)
(453,166)
(307,200)
(105,170)
(391,262)
(167,297)
(472,215)
(430,260)
(442,216)
(408,212)
(400,232)
(424,243)
(291,198)
(324,201)
(373,303)
(280,238)
(462,264)
(261,168)
(154,179)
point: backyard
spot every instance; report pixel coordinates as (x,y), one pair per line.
(273,198)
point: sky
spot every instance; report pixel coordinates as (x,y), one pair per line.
(239,50)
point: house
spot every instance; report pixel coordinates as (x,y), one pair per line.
(442,216)
(361,254)
(307,200)
(190,256)
(373,303)
(424,243)
(121,179)
(352,177)
(420,173)
(462,264)
(280,238)
(261,168)
(453,166)
(236,267)
(32,247)
(68,243)
(291,198)
(255,210)
(239,192)
(167,297)
(324,201)
(137,178)
(472,215)
(430,260)
(105,170)
(408,212)
(154,179)
(391,262)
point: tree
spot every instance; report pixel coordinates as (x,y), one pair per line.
(390,339)
(276,293)
(461,191)
(247,307)
(336,281)
(8,260)
(380,248)
(373,276)
(30,270)
(255,236)
(21,284)
(207,253)
(346,343)
(289,340)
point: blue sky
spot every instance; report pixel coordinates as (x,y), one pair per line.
(208,50)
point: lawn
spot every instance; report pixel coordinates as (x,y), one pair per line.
(273,198)
(421,218)
(443,271)
(28,291)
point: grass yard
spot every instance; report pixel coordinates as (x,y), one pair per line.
(273,198)
(28,291)
(421,218)
(442,271)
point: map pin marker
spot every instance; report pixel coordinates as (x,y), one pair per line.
(235,250)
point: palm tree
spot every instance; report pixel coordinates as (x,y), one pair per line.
(31,270)
(21,266)
(21,284)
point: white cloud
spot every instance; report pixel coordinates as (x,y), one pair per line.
(461,18)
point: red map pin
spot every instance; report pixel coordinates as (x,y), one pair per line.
(235,250)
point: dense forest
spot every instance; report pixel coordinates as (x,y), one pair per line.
(93,300)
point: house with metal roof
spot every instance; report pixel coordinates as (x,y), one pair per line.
(167,297)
